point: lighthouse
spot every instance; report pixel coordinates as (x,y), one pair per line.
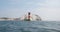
(29,16)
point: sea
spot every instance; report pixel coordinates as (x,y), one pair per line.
(29,26)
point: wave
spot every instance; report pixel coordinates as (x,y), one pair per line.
(21,26)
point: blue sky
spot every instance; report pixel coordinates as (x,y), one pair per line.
(46,9)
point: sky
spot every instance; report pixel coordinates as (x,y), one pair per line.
(48,10)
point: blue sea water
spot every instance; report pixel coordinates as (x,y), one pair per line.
(29,26)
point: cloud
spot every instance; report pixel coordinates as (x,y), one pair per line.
(47,9)
(48,13)
(50,3)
